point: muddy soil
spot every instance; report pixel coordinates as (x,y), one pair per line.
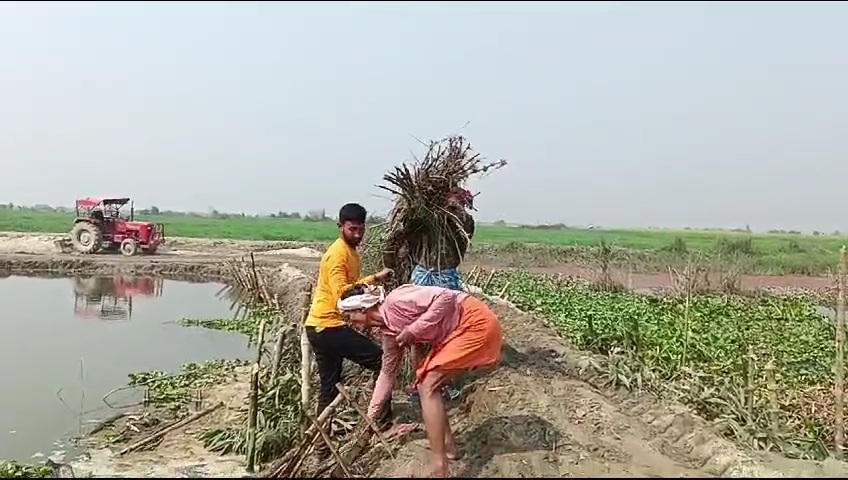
(540,416)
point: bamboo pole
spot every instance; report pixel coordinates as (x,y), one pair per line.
(839,363)
(771,386)
(305,354)
(253,413)
(288,465)
(488,280)
(504,290)
(253,405)
(371,424)
(749,384)
(333,450)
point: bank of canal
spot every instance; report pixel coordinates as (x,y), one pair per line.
(67,342)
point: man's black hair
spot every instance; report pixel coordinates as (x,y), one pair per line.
(352,212)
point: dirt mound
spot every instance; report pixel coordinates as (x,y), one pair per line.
(303,252)
(27,243)
(544,414)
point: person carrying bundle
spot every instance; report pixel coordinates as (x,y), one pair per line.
(331,339)
(463,332)
(437,267)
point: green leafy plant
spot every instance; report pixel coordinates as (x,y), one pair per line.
(13,469)
(706,350)
(174,391)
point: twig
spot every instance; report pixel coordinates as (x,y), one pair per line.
(329,443)
(771,386)
(365,417)
(105,423)
(749,384)
(170,428)
(305,352)
(253,409)
(286,466)
(839,363)
(488,280)
(116,390)
(504,289)
(252,414)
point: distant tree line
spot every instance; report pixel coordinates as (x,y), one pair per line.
(310,216)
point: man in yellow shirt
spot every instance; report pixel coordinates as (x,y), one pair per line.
(331,338)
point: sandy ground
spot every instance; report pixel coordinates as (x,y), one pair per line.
(540,415)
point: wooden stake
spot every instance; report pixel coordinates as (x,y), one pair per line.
(286,466)
(749,385)
(253,405)
(342,464)
(252,415)
(839,363)
(305,353)
(488,280)
(771,386)
(504,289)
(368,421)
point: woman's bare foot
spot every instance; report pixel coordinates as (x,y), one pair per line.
(451,451)
(439,468)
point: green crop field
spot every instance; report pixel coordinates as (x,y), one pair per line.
(775,253)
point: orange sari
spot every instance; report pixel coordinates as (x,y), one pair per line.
(475,343)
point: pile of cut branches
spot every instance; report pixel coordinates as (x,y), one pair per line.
(420,225)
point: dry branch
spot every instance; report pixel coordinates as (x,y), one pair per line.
(421,225)
(289,463)
(169,429)
(339,460)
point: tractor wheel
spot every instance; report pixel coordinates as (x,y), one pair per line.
(86,237)
(150,251)
(129,247)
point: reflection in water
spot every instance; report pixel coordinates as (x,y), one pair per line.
(110,297)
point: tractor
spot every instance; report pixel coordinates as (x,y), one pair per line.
(99,226)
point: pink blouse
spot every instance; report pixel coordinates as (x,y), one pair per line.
(428,314)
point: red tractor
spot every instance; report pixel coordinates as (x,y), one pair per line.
(100,226)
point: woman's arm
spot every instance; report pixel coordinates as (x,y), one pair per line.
(392,356)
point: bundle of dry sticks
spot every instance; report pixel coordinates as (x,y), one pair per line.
(421,191)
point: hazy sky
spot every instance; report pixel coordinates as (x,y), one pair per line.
(651,114)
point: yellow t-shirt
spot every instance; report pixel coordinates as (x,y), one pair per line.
(339,271)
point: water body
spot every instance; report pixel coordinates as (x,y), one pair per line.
(67,342)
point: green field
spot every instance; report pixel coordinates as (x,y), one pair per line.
(768,253)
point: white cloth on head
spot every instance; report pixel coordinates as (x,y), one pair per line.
(362,302)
